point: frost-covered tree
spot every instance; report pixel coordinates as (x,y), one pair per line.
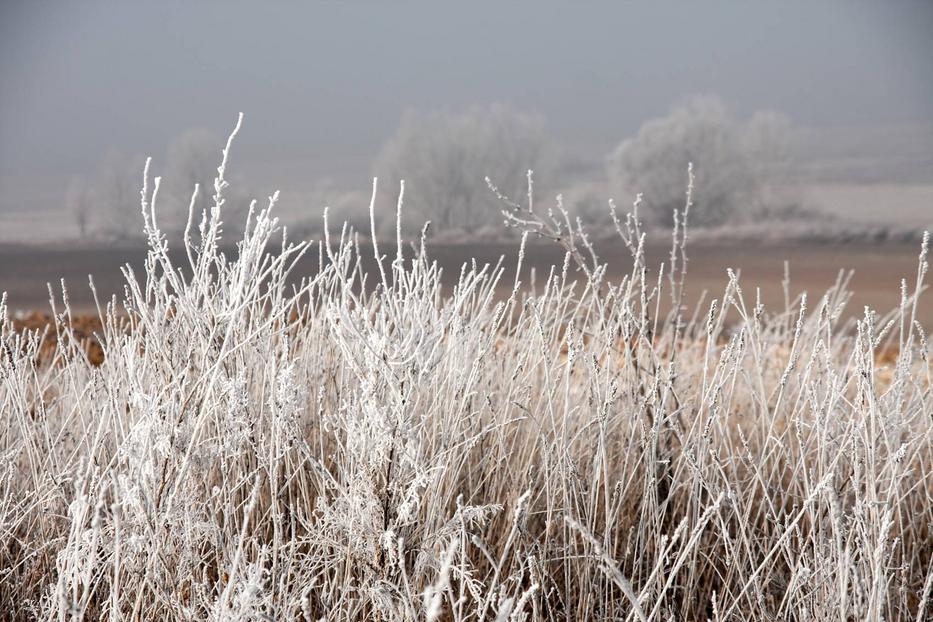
(78,202)
(117,193)
(446,157)
(191,159)
(733,161)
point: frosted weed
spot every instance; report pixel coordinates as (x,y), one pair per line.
(339,451)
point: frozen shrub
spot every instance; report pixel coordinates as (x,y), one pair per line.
(445,157)
(372,447)
(79,202)
(116,193)
(737,164)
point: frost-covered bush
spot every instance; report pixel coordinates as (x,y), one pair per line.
(370,447)
(445,157)
(739,165)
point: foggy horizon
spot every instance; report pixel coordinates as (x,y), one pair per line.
(324,85)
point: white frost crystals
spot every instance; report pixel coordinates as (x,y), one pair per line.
(257,446)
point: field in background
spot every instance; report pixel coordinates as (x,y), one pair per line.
(878,270)
(878,204)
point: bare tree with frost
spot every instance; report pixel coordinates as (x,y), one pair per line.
(445,158)
(735,162)
(117,193)
(78,201)
(191,160)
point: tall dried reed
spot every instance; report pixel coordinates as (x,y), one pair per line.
(366,446)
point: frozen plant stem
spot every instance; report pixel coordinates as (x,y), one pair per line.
(256,444)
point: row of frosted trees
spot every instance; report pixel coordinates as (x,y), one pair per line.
(447,156)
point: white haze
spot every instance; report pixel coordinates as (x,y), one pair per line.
(325,85)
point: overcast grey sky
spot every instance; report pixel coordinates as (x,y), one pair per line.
(318,78)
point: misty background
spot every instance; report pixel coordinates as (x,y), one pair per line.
(798,115)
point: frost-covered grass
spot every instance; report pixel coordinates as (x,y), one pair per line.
(367,447)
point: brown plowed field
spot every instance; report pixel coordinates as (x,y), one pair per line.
(879,268)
